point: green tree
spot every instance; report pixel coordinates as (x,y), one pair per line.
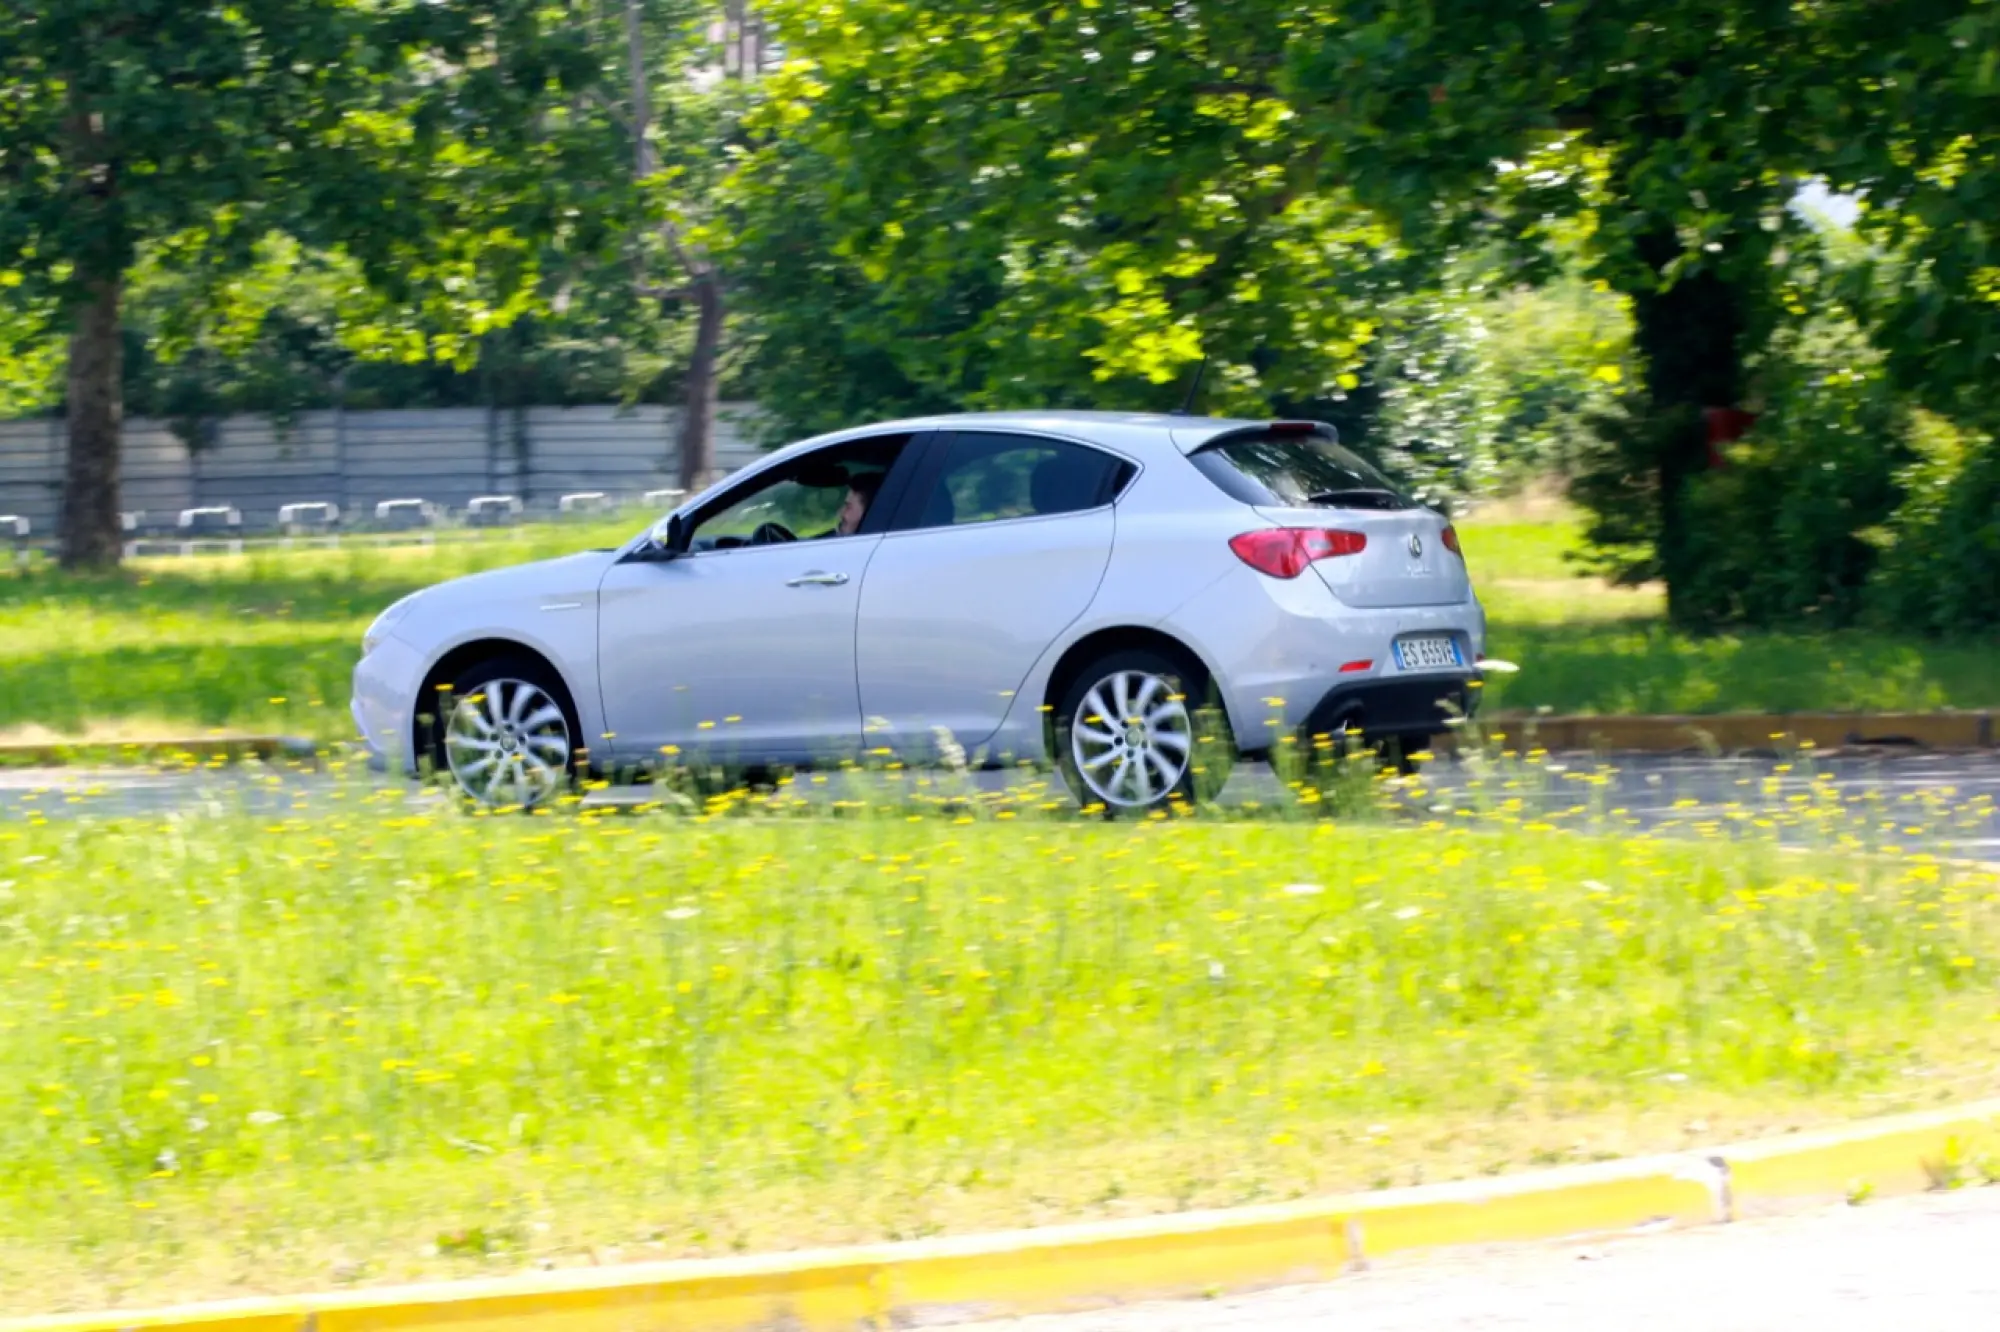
(297,329)
(1069,203)
(675,79)
(1918,140)
(409,136)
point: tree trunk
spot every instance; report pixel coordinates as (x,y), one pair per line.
(1690,336)
(91,534)
(697,438)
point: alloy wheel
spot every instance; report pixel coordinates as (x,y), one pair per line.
(508,743)
(1132,739)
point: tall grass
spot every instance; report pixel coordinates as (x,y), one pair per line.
(809,1028)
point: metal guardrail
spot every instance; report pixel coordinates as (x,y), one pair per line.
(222,529)
(14,530)
(493,511)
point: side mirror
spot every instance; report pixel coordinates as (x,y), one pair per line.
(668,539)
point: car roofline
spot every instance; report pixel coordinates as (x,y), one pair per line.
(1182,433)
(1136,432)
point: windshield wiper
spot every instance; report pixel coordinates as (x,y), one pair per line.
(1359,497)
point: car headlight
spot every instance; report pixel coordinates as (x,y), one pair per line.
(385,622)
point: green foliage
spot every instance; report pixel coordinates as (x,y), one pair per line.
(828,348)
(30,360)
(1481,390)
(1616,482)
(1070,208)
(1434,227)
(1781,533)
(1556,356)
(1843,505)
(299,329)
(1915,128)
(415,139)
(1940,572)
(319,117)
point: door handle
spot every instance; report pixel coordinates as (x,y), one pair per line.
(817,579)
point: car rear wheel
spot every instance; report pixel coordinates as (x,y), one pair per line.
(1131,738)
(1401,753)
(510,739)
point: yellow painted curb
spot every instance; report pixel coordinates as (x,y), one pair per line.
(1906,1154)
(1737,732)
(1064,1267)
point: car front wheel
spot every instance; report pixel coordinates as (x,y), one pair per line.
(510,738)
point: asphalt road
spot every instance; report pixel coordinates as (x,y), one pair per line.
(1947,803)
(1911,1264)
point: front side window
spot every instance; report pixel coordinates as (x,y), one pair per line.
(829,493)
(990,477)
(1296,471)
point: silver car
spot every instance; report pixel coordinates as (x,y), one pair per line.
(1070,587)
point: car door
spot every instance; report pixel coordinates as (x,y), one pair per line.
(999,544)
(742,649)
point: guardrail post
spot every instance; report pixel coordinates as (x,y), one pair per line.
(14,529)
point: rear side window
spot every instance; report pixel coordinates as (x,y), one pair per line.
(989,477)
(1296,472)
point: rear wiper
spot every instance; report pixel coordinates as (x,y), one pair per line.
(1360,497)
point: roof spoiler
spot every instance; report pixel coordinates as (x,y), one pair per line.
(1318,429)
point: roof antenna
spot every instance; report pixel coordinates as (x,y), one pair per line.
(1187,405)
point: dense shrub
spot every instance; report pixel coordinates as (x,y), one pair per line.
(1786,529)
(1940,567)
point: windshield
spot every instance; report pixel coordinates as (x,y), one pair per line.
(1295,472)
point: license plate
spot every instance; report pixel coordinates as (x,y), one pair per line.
(1427,654)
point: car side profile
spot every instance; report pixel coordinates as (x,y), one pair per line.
(1066,587)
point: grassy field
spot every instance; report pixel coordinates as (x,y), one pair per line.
(265,642)
(1585,646)
(376,1040)
(260,642)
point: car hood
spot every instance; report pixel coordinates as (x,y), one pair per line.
(574,576)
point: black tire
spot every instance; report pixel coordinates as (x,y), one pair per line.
(1106,775)
(1399,752)
(546,749)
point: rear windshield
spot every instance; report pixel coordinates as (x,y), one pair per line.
(1296,472)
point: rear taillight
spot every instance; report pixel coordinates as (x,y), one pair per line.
(1284,552)
(1451,541)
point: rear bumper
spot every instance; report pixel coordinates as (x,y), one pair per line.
(1396,707)
(1285,654)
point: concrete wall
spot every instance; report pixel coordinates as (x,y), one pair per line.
(356,459)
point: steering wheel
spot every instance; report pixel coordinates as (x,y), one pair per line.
(771,534)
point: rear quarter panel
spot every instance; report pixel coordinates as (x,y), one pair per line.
(1170,541)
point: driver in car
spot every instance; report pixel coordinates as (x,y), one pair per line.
(861,489)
